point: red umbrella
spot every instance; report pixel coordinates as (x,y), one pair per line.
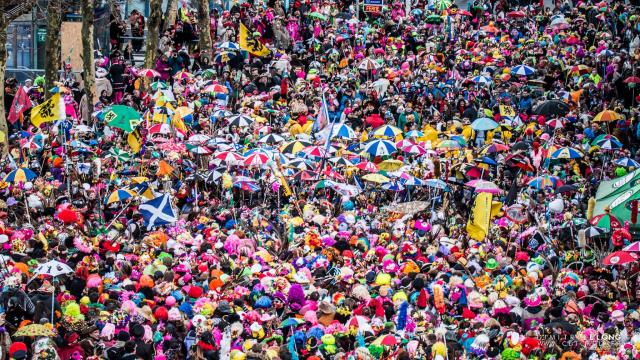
(620,258)
(606,221)
(632,80)
(516,14)
(375,120)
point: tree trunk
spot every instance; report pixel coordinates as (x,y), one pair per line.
(4,138)
(53,52)
(88,71)
(171,14)
(204,28)
(153,29)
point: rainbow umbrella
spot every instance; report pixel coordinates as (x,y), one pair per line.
(606,116)
(544,181)
(20,175)
(180,75)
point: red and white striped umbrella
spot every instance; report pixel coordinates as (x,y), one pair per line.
(555,124)
(414,149)
(256,159)
(229,157)
(148,73)
(367,166)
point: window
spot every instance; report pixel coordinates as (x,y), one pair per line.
(20,45)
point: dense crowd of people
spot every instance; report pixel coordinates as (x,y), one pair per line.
(422,181)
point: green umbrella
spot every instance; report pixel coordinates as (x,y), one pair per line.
(434,19)
(442,5)
(122,117)
(159,85)
(118,154)
(317,15)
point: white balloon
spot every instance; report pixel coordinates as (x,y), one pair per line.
(556,206)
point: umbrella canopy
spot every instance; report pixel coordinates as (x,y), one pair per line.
(148,73)
(120,195)
(523,70)
(484,186)
(627,162)
(541,182)
(390,165)
(436,184)
(380,148)
(606,221)
(607,116)
(343,131)
(593,231)
(368,64)
(376,178)
(118,154)
(240,121)
(52,268)
(388,131)
(484,124)
(20,175)
(481,79)
(122,117)
(566,153)
(620,258)
(294,147)
(609,144)
(552,108)
(271,139)
(633,247)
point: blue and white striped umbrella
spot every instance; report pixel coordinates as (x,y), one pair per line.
(412,181)
(481,79)
(566,153)
(607,52)
(380,147)
(414,134)
(343,131)
(393,186)
(609,144)
(228,45)
(627,162)
(523,70)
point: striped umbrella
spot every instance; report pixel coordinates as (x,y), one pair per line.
(387,131)
(555,124)
(317,151)
(523,70)
(180,75)
(609,144)
(240,121)
(566,153)
(340,161)
(414,149)
(593,231)
(271,139)
(481,79)
(294,147)
(229,157)
(367,166)
(543,181)
(606,221)
(257,158)
(627,162)
(20,175)
(380,148)
(120,195)
(343,131)
(368,64)
(228,45)
(606,116)
(299,164)
(148,73)
(159,85)
(393,186)
(414,134)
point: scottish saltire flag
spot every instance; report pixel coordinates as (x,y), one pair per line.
(158,211)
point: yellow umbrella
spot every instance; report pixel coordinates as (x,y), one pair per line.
(182,111)
(390,165)
(120,195)
(376,178)
(606,116)
(34,330)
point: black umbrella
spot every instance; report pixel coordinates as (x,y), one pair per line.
(552,108)
(564,325)
(521,145)
(565,189)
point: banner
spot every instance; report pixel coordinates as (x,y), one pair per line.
(20,104)
(611,187)
(478,224)
(248,43)
(507,111)
(135,141)
(50,110)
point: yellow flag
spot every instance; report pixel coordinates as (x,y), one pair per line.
(135,141)
(248,43)
(50,110)
(478,224)
(507,111)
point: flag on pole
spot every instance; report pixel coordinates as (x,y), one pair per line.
(250,44)
(158,211)
(19,105)
(323,117)
(135,141)
(50,110)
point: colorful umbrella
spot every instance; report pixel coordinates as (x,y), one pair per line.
(228,45)
(609,144)
(20,175)
(229,157)
(294,147)
(180,75)
(436,184)
(34,330)
(606,221)
(342,131)
(606,116)
(390,165)
(149,73)
(256,159)
(388,131)
(367,166)
(118,154)
(566,153)
(523,70)
(120,195)
(593,231)
(544,181)
(627,162)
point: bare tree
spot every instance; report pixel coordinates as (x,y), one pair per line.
(11,9)
(52,49)
(171,13)
(153,28)
(205,32)
(88,71)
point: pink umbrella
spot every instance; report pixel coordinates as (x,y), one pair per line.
(633,247)
(148,73)
(414,149)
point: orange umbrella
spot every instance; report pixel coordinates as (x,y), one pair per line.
(164,169)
